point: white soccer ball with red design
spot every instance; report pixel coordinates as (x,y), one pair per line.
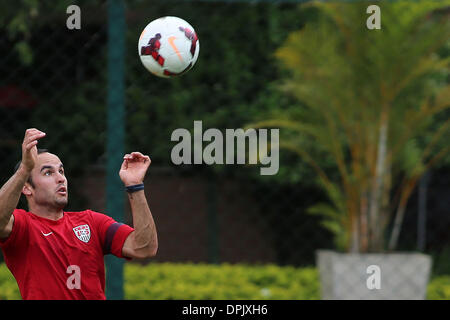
(168,47)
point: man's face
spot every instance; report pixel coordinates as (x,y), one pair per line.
(50,183)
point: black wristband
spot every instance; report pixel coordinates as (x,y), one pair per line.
(136,187)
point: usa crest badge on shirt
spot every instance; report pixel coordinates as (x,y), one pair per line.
(83,232)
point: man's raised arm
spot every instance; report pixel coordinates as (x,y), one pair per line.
(143,241)
(12,189)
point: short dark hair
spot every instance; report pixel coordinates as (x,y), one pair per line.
(16,167)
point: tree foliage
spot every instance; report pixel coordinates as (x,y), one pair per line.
(375,104)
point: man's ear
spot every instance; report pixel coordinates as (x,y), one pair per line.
(26,190)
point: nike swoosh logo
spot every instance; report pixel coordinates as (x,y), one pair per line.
(172,44)
(47,234)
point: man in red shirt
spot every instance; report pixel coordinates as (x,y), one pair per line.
(58,255)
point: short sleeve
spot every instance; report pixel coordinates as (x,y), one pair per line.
(19,230)
(112,233)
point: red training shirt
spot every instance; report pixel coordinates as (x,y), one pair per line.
(62,259)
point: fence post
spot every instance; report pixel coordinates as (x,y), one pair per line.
(115,203)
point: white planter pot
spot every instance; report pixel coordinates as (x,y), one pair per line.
(373,276)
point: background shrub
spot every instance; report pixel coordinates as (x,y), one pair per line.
(165,281)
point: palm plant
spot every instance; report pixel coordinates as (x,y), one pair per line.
(374,105)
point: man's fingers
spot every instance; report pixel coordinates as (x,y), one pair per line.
(33,137)
(137,157)
(31,145)
(140,156)
(137,154)
(133,156)
(32,131)
(124,165)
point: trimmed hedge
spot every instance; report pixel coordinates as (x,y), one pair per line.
(8,285)
(162,281)
(439,288)
(224,282)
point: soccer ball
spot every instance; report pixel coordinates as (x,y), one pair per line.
(168,47)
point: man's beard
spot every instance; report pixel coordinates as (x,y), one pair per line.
(61,202)
(55,202)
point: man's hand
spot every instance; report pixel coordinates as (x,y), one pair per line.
(134,168)
(29,149)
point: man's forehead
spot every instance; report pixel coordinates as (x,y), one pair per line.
(48,159)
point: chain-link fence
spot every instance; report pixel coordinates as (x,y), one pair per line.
(56,80)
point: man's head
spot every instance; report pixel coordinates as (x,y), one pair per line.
(47,184)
